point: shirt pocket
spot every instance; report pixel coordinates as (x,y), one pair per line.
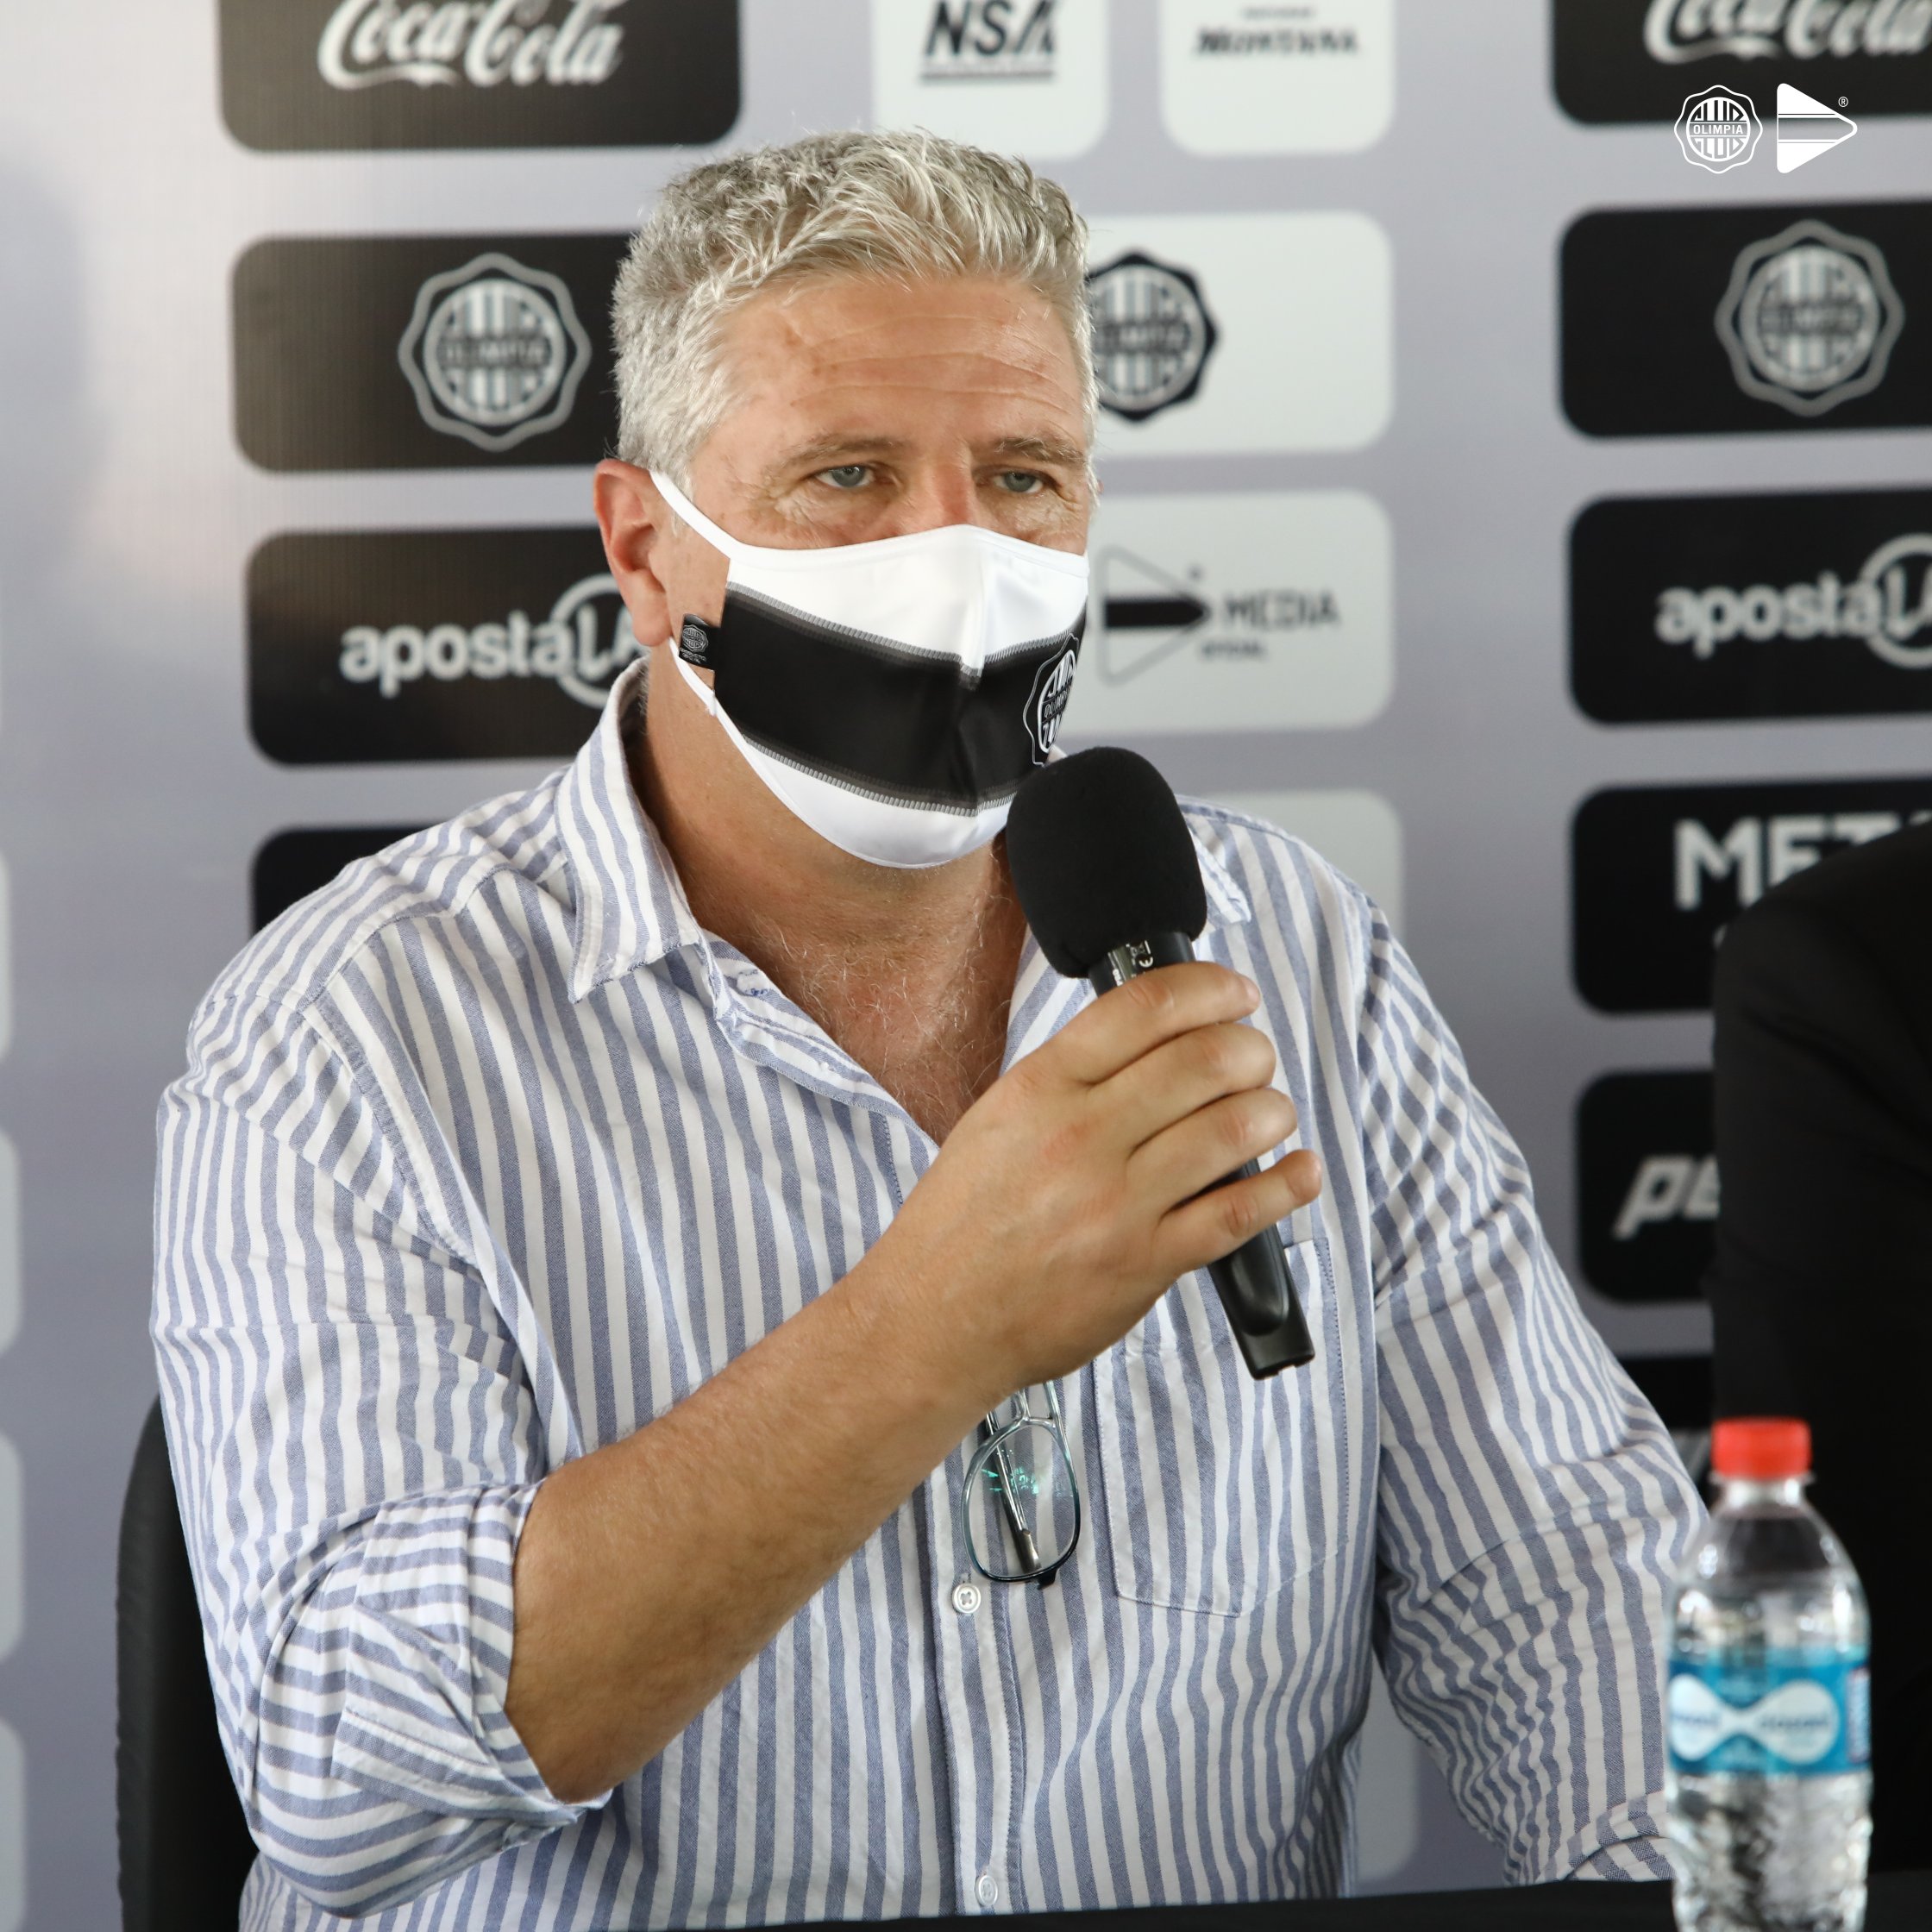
(1211,1482)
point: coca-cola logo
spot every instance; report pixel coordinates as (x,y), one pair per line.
(366,74)
(1625,60)
(496,43)
(1676,31)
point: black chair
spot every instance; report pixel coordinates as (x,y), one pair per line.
(184,1845)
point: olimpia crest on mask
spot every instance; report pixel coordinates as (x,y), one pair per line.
(892,694)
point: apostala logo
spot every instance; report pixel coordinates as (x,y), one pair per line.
(581,646)
(1679,30)
(990,40)
(1153,335)
(1718,129)
(1886,606)
(1809,318)
(1046,704)
(369,42)
(494,352)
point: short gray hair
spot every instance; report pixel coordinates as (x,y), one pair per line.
(907,206)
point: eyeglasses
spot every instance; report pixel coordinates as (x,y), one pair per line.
(1020,1510)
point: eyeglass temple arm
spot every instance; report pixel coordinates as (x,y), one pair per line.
(1022,1536)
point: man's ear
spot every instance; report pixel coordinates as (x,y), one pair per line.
(664,572)
(633,519)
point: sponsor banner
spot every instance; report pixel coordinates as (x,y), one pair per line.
(1657,871)
(1206,327)
(1637,60)
(1647,1191)
(1816,605)
(424,352)
(478,73)
(1356,831)
(9,1244)
(1026,76)
(13,1831)
(10,1547)
(1235,612)
(369,647)
(1314,79)
(292,865)
(1690,321)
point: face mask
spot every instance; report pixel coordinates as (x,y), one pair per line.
(893,694)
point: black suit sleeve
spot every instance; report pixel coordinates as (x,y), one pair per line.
(1821,1288)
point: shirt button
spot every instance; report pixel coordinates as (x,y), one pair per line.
(987,1890)
(966,1600)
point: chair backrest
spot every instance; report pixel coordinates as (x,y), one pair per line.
(184,1845)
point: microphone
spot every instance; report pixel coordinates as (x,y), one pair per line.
(1106,874)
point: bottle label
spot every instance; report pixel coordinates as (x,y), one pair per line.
(1807,1713)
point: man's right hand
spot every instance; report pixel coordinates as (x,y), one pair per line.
(1070,1196)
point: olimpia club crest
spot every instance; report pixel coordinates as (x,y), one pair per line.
(494,352)
(1153,335)
(1719,129)
(1047,703)
(1809,318)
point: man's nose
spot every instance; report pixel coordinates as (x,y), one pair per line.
(937,494)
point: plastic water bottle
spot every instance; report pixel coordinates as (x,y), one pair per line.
(1769,1705)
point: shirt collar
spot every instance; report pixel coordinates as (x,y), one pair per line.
(630,907)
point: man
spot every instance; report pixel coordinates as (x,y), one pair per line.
(593,1232)
(1821,1292)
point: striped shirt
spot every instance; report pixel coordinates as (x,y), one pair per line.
(487,1154)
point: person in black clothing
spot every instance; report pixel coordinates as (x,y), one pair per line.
(1821,1287)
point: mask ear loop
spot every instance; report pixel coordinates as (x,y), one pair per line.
(721,540)
(706,696)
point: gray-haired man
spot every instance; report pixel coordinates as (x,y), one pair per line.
(593,1232)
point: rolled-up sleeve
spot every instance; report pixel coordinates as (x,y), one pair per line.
(1532,1509)
(355,1447)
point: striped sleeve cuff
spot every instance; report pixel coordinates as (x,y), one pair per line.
(415,1623)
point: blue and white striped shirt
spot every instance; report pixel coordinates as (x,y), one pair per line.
(487,1154)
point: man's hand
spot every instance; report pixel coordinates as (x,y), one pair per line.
(1070,1194)
(1060,1208)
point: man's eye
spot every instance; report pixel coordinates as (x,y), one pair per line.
(1021,482)
(846,476)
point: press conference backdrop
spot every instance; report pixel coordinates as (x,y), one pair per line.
(1518,480)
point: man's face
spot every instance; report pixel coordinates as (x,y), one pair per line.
(863,408)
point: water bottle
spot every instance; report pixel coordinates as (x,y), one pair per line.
(1769,1706)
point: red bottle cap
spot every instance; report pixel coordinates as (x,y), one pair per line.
(1761,1448)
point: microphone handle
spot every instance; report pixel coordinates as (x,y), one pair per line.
(1256,1294)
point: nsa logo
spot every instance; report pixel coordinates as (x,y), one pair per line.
(494,352)
(1809,318)
(1152,335)
(1718,129)
(990,40)
(1047,703)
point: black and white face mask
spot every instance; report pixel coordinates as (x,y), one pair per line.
(892,694)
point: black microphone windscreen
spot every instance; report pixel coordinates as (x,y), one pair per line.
(1101,856)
